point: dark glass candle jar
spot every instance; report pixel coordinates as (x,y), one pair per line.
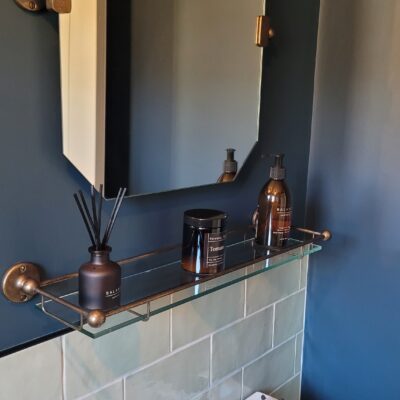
(203,247)
(100,281)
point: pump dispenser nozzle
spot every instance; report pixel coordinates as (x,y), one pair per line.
(277,171)
(230,164)
(230,167)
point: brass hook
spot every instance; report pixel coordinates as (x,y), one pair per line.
(58,6)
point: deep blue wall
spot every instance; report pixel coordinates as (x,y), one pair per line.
(38,218)
(352,342)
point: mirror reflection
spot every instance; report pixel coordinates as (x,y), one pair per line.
(183,92)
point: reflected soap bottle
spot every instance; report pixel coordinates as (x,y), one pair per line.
(274,208)
(230,167)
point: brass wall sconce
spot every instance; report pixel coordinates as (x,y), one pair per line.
(58,6)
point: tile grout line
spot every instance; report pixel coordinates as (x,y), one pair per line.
(275,302)
(285,383)
(242,388)
(166,356)
(295,352)
(290,295)
(98,390)
(301,270)
(273,325)
(124,389)
(245,299)
(219,382)
(304,333)
(305,288)
(211,359)
(305,310)
(270,351)
(170,332)
(226,377)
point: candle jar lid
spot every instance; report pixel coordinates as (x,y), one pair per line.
(205,219)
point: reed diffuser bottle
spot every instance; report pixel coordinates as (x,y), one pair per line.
(99,281)
(100,278)
(274,214)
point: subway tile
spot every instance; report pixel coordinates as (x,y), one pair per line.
(180,376)
(240,343)
(304,272)
(289,391)
(34,373)
(269,287)
(289,317)
(90,364)
(228,389)
(113,392)
(299,352)
(270,371)
(200,317)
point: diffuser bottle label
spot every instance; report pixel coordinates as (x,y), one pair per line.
(214,250)
(113,294)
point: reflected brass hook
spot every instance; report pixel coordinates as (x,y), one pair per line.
(58,6)
(264,31)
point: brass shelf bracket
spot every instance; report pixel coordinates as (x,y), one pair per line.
(325,235)
(58,6)
(144,317)
(21,283)
(264,31)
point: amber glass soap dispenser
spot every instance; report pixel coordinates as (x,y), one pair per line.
(274,208)
(230,167)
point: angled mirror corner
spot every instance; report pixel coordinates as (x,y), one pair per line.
(154,92)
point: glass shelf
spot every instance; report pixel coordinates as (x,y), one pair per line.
(155,282)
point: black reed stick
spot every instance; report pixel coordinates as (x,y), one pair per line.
(114,217)
(95,219)
(86,209)
(104,241)
(93,222)
(84,218)
(100,211)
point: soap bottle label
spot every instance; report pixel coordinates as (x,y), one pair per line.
(282,222)
(214,250)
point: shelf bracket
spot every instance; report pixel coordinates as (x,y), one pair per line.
(58,6)
(144,317)
(21,283)
(61,320)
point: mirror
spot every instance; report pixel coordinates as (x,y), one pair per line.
(155,91)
